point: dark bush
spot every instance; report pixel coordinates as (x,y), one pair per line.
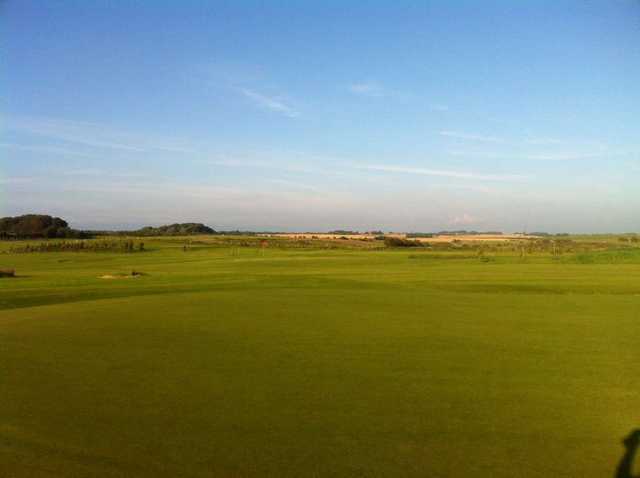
(391,241)
(79,246)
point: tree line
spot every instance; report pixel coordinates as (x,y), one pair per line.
(38,226)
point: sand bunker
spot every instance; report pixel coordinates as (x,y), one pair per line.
(132,275)
(110,276)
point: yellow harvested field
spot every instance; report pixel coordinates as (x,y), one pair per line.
(475,238)
(310,235)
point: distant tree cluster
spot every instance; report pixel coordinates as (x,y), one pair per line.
(236,232)
(37,226)
(80,246)
(184,229)
(463,232)
(420,234)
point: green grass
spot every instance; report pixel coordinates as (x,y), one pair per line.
(237,362)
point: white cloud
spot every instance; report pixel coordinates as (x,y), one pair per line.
(447,174)
(270,103)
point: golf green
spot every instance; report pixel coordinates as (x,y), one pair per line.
(243,362)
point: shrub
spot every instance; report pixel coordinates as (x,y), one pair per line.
(79,246)
(391,241)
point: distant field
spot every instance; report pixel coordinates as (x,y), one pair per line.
(311,235)
(226,357)
(435,238)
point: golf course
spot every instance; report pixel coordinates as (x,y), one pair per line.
(203,357)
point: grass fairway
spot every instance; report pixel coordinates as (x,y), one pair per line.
(294,363)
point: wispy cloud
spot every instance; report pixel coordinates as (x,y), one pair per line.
(84,172)
(445,173)
(561,156)
(292,167)
(91,135)
(86,140)
(371,89)
(581,142)
(464,219)
(285,160)
(567,143)
(595,148)
(87,134)
(17,180)
(45,150)
(471,137)
(271,103)
(543,141)
(295,185)
(91,172)
(374,89)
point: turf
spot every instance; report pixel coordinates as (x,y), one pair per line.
(243,362)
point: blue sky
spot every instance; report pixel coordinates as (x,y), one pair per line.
(412,116)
